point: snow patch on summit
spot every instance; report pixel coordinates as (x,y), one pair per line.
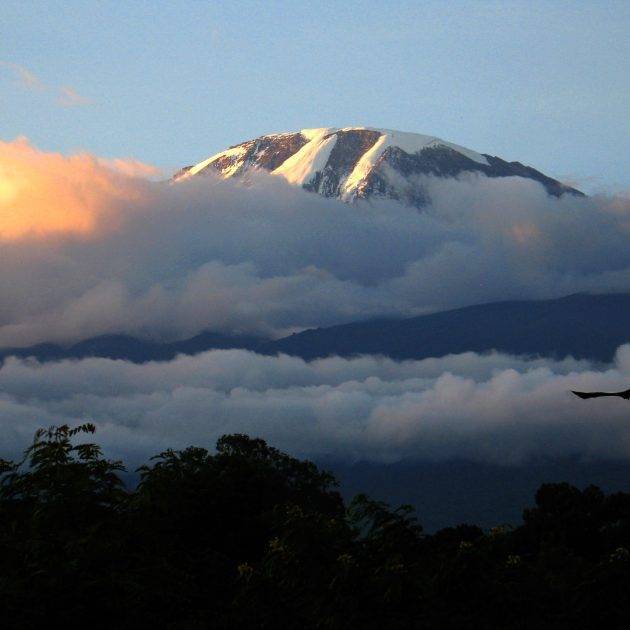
(408,142)
(234,152)
(415,142)
(301,168)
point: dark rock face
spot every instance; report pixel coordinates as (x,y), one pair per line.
(442,161)
(273,152)
(350,147)
(223,163)
(439,161)
(501,168)
(181,172)
(268,152)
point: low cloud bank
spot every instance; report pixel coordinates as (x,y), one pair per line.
(490,408)
(88,247)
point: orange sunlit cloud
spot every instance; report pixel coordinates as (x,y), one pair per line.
(525,233)
(45,193)
(132,167)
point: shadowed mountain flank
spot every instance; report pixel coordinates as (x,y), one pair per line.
(582,326)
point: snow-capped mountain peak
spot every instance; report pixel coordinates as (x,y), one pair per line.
(361,162)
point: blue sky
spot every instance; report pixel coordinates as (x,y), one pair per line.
(545,83)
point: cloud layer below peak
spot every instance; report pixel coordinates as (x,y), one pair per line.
(88,247)
(489,408)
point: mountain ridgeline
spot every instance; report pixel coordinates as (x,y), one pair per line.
(583,326)
(362,163)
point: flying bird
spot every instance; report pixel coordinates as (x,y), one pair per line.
(584,395)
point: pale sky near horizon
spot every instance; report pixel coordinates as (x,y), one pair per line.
(170,83)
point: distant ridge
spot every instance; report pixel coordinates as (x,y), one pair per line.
(583,326)
(580,325)
(126,347)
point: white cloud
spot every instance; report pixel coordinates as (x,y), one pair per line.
(86,249)
(491,408)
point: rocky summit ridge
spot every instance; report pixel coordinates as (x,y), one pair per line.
(362,163)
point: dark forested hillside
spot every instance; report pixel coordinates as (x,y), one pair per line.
(249,537)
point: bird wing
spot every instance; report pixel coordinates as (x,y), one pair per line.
(585,395)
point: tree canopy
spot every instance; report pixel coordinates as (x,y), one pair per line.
(246,536)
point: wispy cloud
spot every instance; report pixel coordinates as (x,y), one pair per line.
(69,97)
(65,95)
(131,167)
(24,76)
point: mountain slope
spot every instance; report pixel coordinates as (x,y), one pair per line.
(130,348)
(361,163)
(583,326)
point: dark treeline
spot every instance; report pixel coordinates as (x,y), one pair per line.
(249,537)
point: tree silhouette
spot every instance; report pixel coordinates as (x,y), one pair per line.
(247,536)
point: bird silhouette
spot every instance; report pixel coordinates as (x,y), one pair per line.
(584,395)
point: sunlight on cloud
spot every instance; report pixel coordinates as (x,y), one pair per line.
(47,193)
(131,167)
(90,246)
(118,253)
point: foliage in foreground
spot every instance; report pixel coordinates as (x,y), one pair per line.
(249,537)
